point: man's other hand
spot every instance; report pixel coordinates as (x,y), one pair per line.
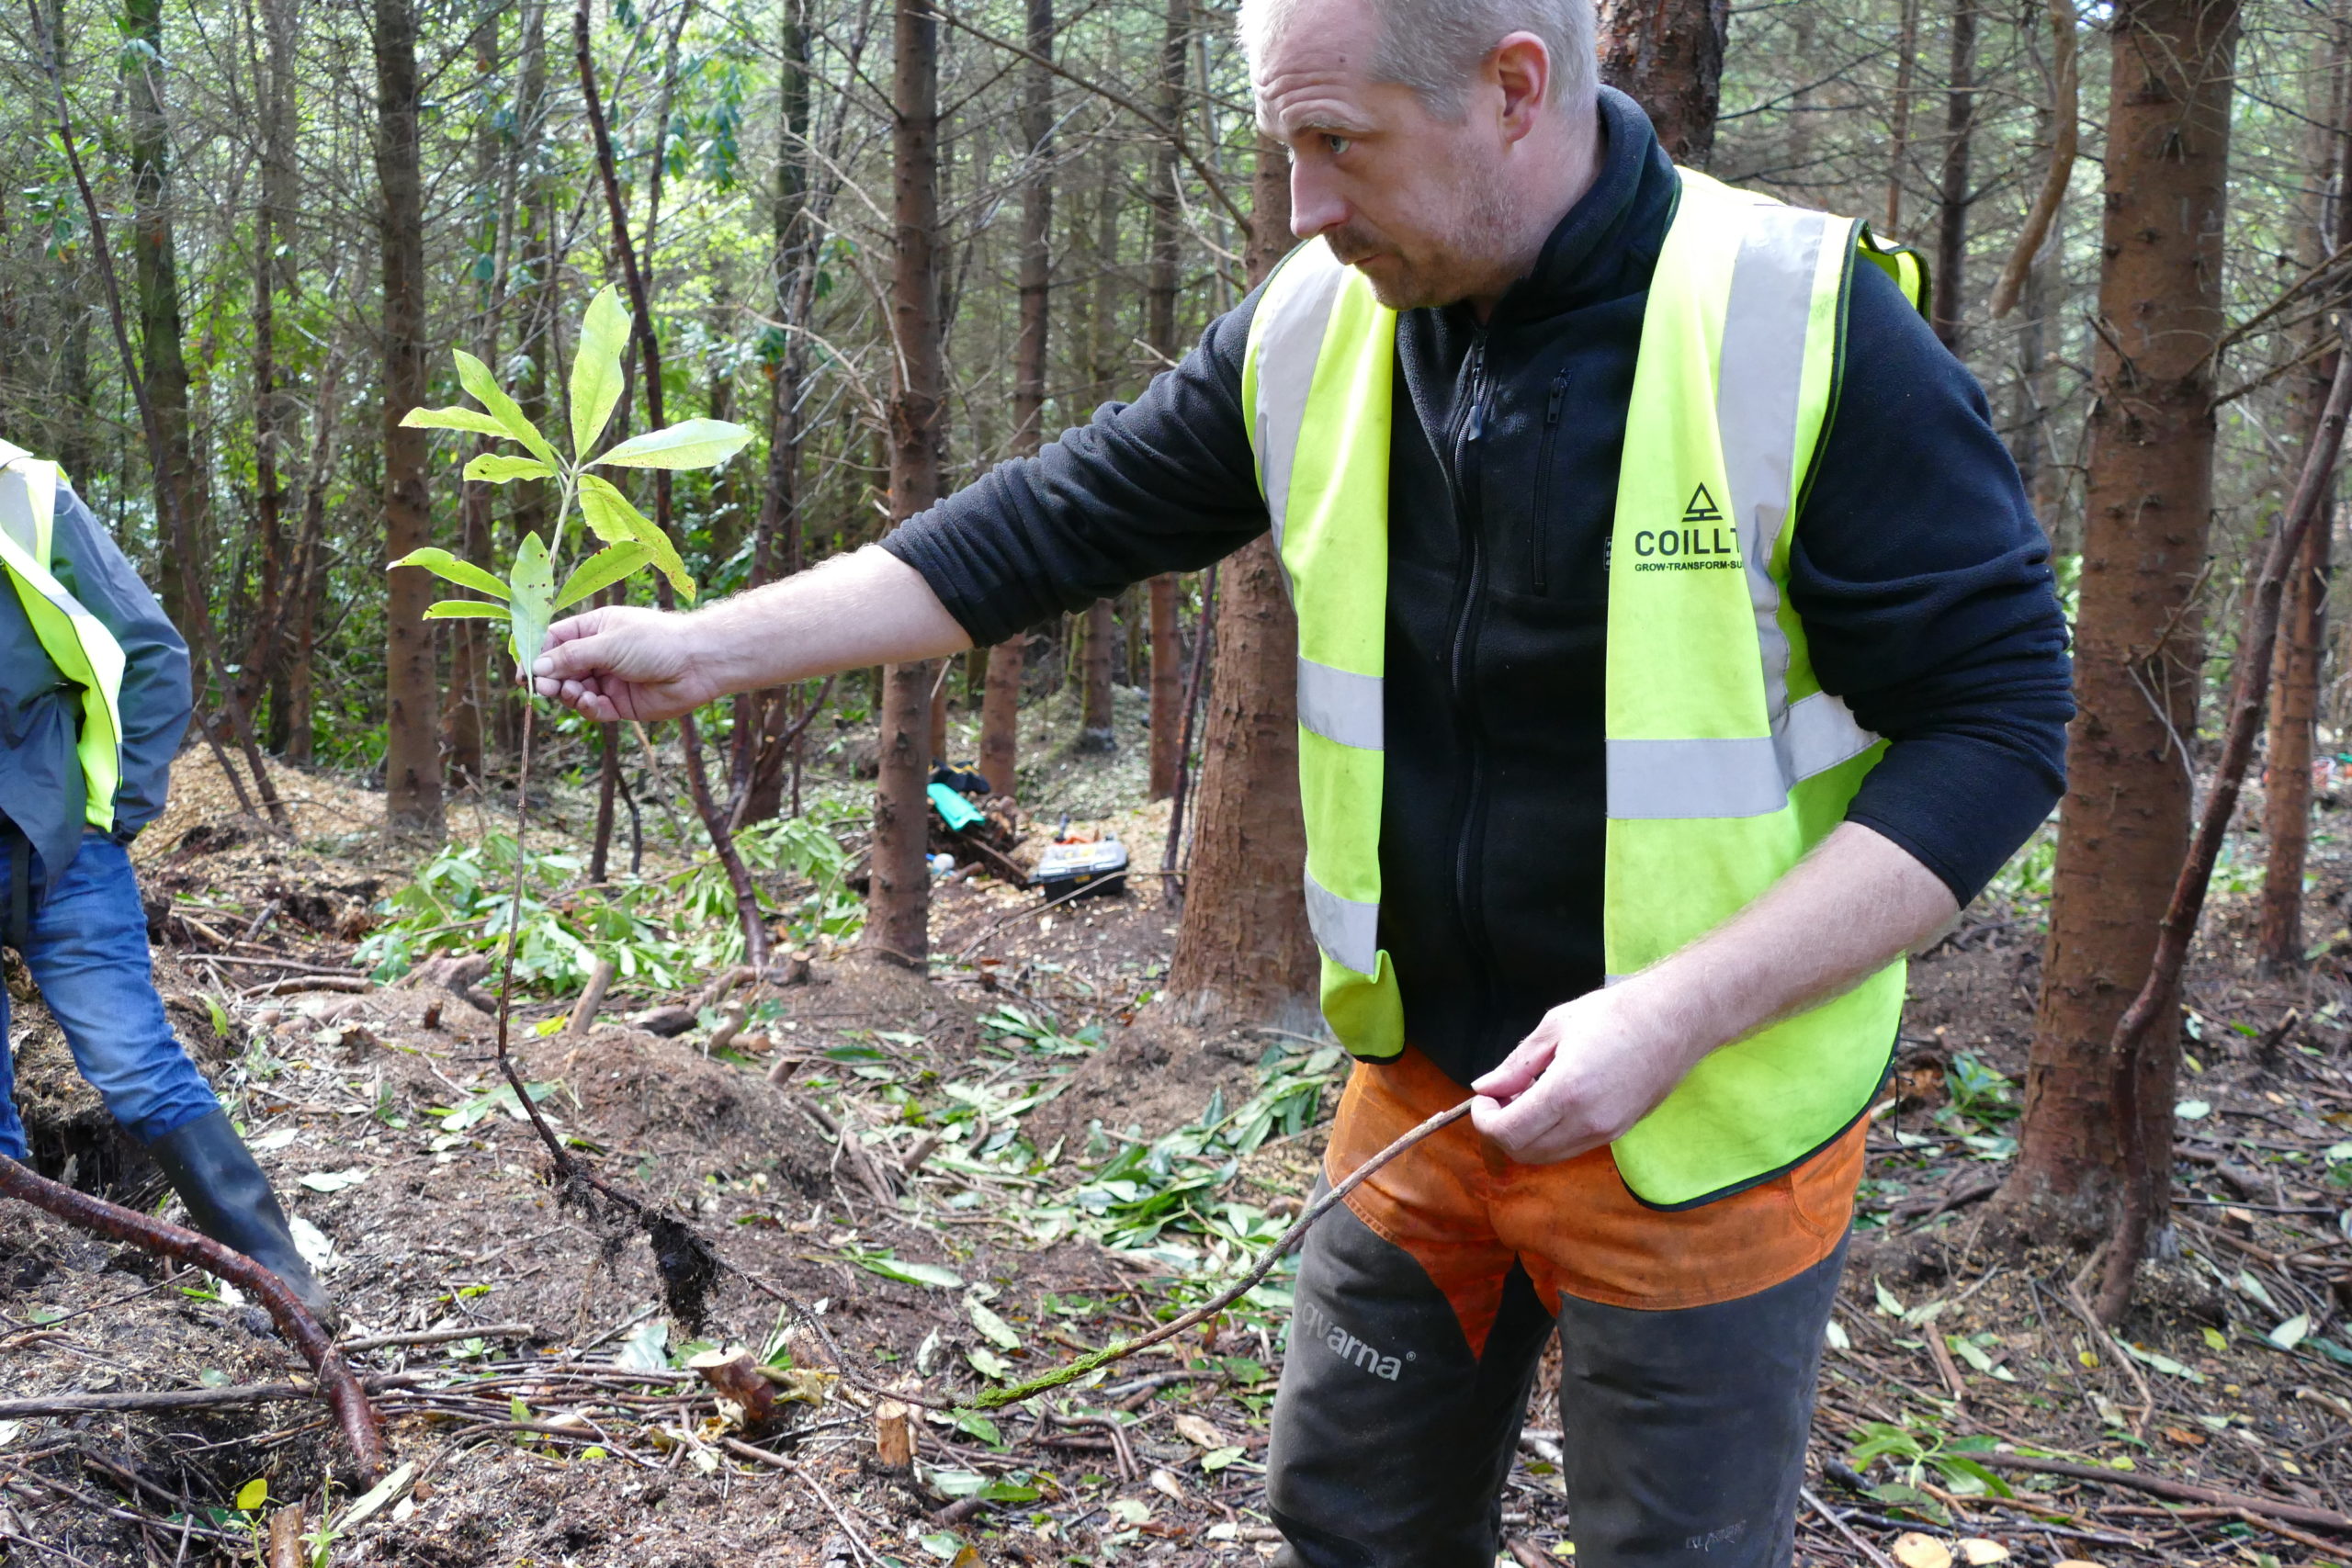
(623,662)
(1581,1079)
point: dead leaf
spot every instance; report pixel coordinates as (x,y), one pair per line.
(1977,1552)
(1199,1433)
(2074,1563)
(1165,1482)
(2185,1437)
(1913,1549)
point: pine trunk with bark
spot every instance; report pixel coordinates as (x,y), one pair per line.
(472,647)
(155,277)
(413,739)
(1167,642)
(1952,197)
(2139,653)
(1243,952)
(1667,56)
(897,919)
(275,411)
(762,717)
(2302,626)
(1898,131)
(1001,702)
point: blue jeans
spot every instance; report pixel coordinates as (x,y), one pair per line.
(87,951)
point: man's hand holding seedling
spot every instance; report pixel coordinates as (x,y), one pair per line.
(622,662)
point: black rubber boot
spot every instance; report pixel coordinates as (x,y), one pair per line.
(229,1200)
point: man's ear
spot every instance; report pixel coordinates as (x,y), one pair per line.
(1520,70)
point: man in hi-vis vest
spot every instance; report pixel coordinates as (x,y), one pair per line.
(94,701)
(1676,650)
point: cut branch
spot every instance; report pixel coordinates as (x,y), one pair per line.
(357,1418)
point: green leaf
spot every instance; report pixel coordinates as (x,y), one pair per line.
(534,585)
(993,1328)
(890,1268)
(454,419)
(467,609)
(988,1363)
(449,568)
(692,443)
(602,569)
(2292,1333)
(614,519)
(253,1495)
(490,467)
(596,369)
(475,377)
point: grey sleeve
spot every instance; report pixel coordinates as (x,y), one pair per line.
(155,692)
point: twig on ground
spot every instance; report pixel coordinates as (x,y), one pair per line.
(1837,1523)
(996,1398)
(2180,1491)
(444,1335)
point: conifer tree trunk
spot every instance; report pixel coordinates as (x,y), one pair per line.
(413,739)
(1160,335)
(1952,195)
(2138,653)
(471,646)
(1244,951)
(899,907)
(761,717)
(1667,56)
(275,411)
(1001,702)
(2303,624)
(155,270)
(1898,137)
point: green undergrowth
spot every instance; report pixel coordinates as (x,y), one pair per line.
(661,929)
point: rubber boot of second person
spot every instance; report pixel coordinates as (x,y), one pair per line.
(228,1199)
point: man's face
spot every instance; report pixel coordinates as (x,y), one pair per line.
(1417,204)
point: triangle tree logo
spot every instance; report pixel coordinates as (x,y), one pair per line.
(1701,508)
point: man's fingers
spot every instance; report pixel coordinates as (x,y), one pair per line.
(582,652)
(588,623)
(1512,1077)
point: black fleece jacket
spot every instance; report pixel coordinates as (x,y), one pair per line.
(1919,570)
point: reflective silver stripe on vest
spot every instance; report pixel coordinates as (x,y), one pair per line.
(1758,389)
(1290,343)
(1661,779)
(1340,706)
(1347,932)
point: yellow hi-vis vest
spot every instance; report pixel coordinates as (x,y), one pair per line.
(1725,759)
(85,652)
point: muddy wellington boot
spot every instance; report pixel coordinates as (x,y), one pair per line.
(229,1200)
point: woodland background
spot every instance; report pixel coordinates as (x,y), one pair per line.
(903,244)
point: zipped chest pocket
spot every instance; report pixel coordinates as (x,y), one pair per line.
(1546,457)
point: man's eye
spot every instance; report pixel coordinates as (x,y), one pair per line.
(1338,144)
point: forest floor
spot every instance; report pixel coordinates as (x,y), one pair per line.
(967,1179)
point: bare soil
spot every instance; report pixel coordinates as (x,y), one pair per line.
(558,1429)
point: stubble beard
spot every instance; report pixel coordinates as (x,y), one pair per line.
(1475,260)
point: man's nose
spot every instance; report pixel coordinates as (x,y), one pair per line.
(1315,202)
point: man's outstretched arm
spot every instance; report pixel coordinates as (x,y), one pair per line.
(867,607)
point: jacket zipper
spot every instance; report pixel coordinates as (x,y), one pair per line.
(1466,880)
(1551,405)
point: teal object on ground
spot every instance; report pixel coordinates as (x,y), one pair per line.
(954,809)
